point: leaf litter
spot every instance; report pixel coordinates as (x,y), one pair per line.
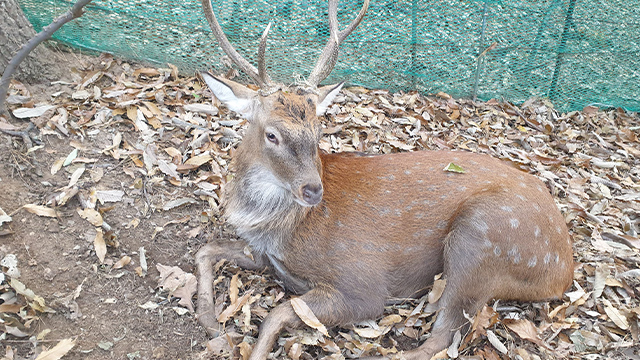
(162,133)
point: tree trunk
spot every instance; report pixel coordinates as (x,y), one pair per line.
(42,64)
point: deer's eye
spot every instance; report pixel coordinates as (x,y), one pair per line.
(272,138)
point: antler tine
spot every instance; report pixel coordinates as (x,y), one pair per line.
(329,55)
(262,67)
(263,79)
(354,24)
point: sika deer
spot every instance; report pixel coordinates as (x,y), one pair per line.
(349,231)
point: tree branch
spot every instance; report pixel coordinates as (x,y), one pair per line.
(45,34)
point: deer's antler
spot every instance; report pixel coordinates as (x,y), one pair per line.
(259,75)
(329,56)
(324,65)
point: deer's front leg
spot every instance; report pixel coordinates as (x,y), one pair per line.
(329,305)
(206,258)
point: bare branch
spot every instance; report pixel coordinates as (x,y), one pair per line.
(46,33)
(226,46)
(24,134)
(329,56)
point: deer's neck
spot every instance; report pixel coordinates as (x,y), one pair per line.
(263,212)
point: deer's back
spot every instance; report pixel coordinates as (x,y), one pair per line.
(394,212)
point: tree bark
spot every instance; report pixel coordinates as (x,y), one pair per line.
(42,64)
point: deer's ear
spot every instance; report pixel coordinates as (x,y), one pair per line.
(236,97)
(326,94)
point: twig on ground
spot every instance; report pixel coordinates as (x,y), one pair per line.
(26,138)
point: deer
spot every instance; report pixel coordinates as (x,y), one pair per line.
(350,232)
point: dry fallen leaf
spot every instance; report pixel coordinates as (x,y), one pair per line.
(100,246)
(105,196)
(307,316)
(436,290)
(179,284)
(615,315)
(178,202)
(199,160)
(23,113)
(40,210)
(497,344)
(4,218)
(124,261)
(91,215)
(234,307)
(58,351)
(525,329)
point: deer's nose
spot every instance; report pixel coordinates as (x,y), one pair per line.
(312,193)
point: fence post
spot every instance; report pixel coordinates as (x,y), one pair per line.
(568,22)
(480,60)
(414,19)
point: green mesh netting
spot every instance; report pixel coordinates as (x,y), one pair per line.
(575,52)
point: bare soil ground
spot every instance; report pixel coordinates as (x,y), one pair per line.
(135,135)
(55,257)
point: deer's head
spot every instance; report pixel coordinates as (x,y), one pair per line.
(281,143)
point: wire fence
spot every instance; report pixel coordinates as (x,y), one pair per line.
(574,52)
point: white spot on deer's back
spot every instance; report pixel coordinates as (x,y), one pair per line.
(407,172)
(384,211)
(559,229)
(535,206)
(506,208)
(428,202)
(497,250)
(533,261)
(521,197)
(536,231)
(515,254)
(442,224)
(462,188)
(420,181)
(557,257)
(514,223)
(523,185)
(423,233)
(547,258)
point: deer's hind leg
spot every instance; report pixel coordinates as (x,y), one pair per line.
(206,258)
(467,288)
(485,257)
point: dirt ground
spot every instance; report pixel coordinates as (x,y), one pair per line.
(55,257)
